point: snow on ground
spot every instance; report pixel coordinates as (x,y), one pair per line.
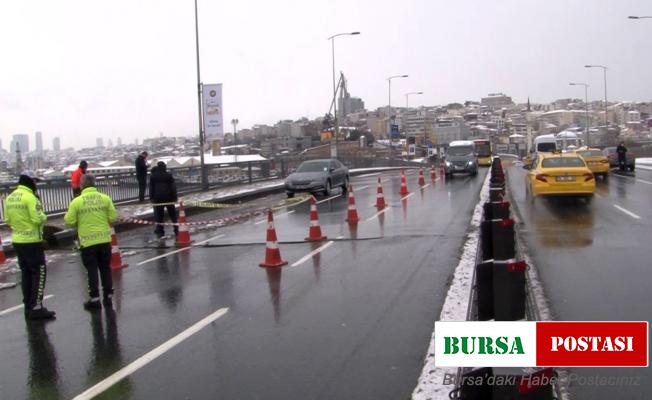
(430,385)
(644,163)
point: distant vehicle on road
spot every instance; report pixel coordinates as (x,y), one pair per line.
(461,157)
(559,174)
(541,144)
(610,153)
(317,176)
(596,161)
(483,151)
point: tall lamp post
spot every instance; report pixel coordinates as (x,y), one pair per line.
(604,70)
(235,138)
(337,125)
(202,165)
(407,98)
(586,106)
(389,104)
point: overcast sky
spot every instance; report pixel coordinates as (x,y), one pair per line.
(83,69)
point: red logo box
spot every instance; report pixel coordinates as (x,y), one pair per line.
(592,344)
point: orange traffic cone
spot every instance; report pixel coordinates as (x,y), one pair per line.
(3,257)
(433,174)
(442,170)
(183,236)
(272,253)
(380,197)
(422,179)
(404,190)
(314,234)
(352,217)
(116,256)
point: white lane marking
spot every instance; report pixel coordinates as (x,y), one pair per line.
(409,195)
(18,307)
(330,198)
(312,253)
(362,187)
(366,175)
(377,214)
(149,357)
(339,237)
(598,195)
(631,214)
(643,181)
(424,186)
(180,250)
(275,216)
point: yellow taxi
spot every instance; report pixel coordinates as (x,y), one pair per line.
(559,174)
(597,162)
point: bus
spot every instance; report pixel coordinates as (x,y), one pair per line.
(483,150)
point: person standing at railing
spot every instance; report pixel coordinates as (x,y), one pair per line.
(141,175)
(163,191)
(75,178)
(92,214)
(24,215)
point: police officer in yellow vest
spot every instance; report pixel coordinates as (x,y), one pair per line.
(92,214)
(24,215)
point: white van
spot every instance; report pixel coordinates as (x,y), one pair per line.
(545,144)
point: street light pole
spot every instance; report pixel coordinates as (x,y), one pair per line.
(235,138)
(604,70)
(337,125)
(407,97)
(202,165)
(586,106)
(389,104)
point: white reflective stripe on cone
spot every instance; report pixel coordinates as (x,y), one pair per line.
(272,245)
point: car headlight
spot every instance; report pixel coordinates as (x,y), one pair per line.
(448,163)
(470,162)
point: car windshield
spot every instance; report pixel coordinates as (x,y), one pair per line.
(313,166)
(546,147)
(591,153)
(460,150)
(561,162)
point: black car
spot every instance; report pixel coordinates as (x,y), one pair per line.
(317,176)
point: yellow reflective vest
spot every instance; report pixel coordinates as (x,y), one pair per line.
(24,215)
(92,214)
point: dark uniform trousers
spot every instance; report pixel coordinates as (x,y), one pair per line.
(159,216)
(142,186)
(31,259)
(97,258)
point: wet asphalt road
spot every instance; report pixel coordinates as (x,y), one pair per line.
(353,321)
(594,261)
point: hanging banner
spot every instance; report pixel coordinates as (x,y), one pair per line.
(212,111)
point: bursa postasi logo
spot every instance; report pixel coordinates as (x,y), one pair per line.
(541,344)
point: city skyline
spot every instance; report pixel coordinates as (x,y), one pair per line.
(140,80)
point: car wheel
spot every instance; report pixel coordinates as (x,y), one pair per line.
(290,194)
(345,185)
(588,199)
(327,188)
(605,176)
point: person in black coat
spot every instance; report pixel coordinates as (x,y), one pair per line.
(163,189)
(141,175)
(621,150)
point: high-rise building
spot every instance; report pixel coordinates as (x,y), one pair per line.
(99,142)
(119,141)
(22,140)
(38,136)
(0,144)
(56,144)
(109,143)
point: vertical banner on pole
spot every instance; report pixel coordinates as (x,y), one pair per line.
(212,108)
